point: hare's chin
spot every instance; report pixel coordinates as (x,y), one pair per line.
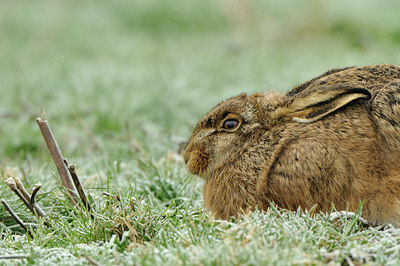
(197,163)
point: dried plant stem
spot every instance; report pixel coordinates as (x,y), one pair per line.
(67,172)
(33,203)
(78,186)
(22,189)
(58,159)
(15,217)
(29,200)
(12,185)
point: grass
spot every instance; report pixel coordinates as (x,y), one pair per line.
(124,82)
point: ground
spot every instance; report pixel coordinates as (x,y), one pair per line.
(123,83)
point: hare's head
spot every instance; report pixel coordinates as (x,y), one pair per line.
(224,134)
(226,130)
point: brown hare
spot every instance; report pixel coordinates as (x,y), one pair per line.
(333,140)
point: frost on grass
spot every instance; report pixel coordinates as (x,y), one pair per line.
(281,236)
(186,234)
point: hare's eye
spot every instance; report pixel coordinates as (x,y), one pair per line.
(230,124)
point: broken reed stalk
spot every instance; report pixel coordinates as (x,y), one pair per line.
(33,203)
(15,216)
(12,185)
(29,200)
(78,186)
(57,157)
(22,189)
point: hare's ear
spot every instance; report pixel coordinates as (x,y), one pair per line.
(309,106)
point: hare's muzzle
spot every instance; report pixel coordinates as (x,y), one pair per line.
(196,160)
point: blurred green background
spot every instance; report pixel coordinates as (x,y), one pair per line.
(121,79)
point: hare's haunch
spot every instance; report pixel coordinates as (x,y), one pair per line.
(333,140)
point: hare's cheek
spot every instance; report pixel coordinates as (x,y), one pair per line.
(197,163)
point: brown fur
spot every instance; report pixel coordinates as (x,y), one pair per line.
(333,140)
